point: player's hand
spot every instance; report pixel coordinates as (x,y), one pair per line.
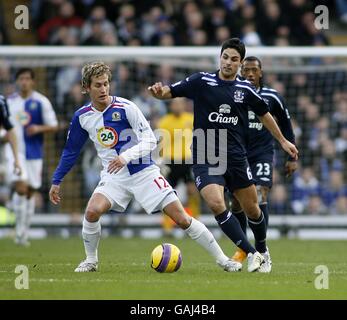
(17,168)
(290,149)
(290,167)
(116,164)
(32,130)
(54,196)
(156,90)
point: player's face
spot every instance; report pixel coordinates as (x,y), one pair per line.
(25,83)
(99,90)
(230,61)
(252,72)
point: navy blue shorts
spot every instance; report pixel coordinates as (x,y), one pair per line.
(237,176)
(262,168)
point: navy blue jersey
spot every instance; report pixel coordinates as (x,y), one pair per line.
(4,114)
(260,139)
(220,104)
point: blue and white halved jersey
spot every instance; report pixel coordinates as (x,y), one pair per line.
(121,129)
(34,110)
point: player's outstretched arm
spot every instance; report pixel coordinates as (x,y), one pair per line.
(272,126)
(54,196)
(159,91)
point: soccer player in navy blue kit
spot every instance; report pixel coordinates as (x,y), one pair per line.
(221,105)
(260,148)
(11,136)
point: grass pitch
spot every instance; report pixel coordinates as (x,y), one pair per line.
(125,273)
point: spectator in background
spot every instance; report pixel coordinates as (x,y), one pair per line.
(250,36)
(149,106)
(97,16)
(304,185)
(341,143)
(315,206)
(328,161)
(66,17)
(341,6)
(334,188)
(340,206)
(278,199)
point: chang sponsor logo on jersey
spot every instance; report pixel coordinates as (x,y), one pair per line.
(221,118)
(254,125)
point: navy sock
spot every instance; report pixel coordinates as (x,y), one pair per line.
(258,227)
(242,220)
(231,227)
(264,208)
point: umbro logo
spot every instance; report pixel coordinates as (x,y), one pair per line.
(264,179)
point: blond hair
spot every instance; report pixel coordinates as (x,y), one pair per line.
(94,69)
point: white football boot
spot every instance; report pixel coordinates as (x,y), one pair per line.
(255,260)
(230,265)
(267,265)
(85,266)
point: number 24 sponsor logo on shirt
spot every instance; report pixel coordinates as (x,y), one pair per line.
(107,137)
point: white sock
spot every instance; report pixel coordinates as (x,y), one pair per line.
(27,217)
(198,232)
(19,208)
(91,233)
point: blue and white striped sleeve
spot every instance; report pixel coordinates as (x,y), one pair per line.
(76,139)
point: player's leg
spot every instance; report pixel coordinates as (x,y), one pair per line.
(30,210)
(19,204)
(199,233)
(155,194)
(91,231)
(213,194)
(264,191)
(249,202)
(266,267)
(34,182)
(173,178)
(237,211)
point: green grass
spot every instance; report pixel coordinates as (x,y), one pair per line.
(125,273)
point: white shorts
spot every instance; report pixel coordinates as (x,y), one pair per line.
(31,171)
(147,186)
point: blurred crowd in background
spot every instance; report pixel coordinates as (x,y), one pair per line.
(317,100)
(179,22)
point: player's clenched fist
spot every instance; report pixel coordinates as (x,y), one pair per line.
(159,91)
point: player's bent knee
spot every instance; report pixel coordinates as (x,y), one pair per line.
(235,206)
(252,210)
(216,205)
(183,221)
(264,191)
(92,214)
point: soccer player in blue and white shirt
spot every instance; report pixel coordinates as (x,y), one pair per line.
(123,140)
(221,103)
(260,147)
(32,115)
